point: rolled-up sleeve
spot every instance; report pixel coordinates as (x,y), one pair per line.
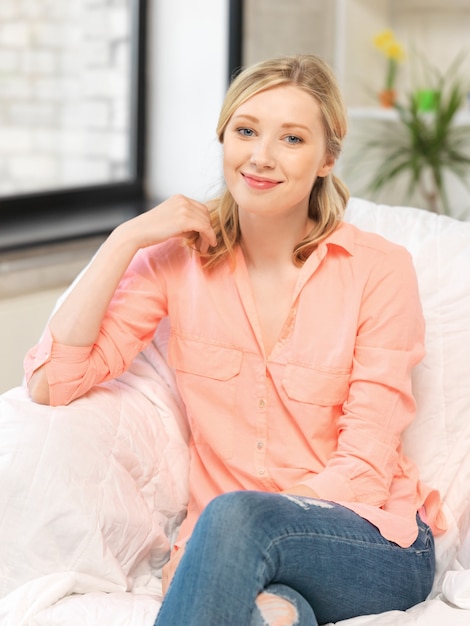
(380,403)
(139,303)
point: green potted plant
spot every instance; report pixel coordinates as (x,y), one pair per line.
(426,145)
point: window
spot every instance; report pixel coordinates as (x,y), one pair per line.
(71,117)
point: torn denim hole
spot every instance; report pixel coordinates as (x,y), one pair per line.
(276,610)
(306,503)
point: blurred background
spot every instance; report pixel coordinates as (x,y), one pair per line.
(109,106)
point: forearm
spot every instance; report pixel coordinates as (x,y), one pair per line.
(78,320)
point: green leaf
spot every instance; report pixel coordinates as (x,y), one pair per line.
(424,145)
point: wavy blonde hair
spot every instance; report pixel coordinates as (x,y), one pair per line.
(329,195)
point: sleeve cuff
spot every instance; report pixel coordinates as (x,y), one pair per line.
(38,355)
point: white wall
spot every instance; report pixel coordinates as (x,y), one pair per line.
(187,79)
(22,320)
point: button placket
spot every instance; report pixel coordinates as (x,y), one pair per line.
(260,453)
(260,435)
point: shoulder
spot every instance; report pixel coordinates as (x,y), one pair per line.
(156,264)
(362,243)
(371,257)
(169,254)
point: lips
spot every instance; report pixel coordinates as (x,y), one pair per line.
(256,182)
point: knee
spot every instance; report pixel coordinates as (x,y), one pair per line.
(230,530)
(227,509)
(235,513)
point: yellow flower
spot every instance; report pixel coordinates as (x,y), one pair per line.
(396,51)
(383,39)
(386,43)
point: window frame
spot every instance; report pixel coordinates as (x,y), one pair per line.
(235,43)
(94,209)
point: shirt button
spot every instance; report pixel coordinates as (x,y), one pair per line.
(261,471)
(261,403)
(260,445)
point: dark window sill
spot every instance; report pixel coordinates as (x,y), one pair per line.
(54,226)
(47,251)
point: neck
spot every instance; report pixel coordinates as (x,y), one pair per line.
(269,242)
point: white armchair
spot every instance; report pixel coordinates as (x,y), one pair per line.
(91,495)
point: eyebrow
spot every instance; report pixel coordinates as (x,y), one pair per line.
(286,125)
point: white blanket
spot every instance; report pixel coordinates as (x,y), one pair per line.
(91,495)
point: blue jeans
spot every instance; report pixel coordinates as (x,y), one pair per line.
(321,560)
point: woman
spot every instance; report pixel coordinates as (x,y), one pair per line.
(293,339)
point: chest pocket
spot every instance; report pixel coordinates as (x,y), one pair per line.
(207,376)
(195,356)
(315,386)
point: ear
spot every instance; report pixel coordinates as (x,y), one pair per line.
(326,168)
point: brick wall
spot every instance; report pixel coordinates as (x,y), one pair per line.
(64,93)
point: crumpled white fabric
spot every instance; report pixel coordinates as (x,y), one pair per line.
(456,583)
(92,494)
(456,589)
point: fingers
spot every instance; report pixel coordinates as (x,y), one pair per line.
(205,241)
(169,569)
(195,217)
(202,245)
(168,572)
(177,216)
(166,578)
(301,490)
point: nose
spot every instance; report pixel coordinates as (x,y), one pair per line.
(263,154)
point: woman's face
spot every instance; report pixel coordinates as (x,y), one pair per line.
(274,149)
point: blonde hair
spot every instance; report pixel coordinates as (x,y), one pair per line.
(329,195)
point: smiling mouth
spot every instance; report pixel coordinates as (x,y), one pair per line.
(260,183)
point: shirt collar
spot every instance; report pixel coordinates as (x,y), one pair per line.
(342,236)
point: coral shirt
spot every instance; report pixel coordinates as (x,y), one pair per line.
(325,409)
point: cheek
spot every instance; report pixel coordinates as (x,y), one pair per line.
(232,159)
(233,150)
(308,170)
(229,172)
(227,167)
(304,172)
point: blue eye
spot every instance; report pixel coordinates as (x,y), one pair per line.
(293,139)
(245,132)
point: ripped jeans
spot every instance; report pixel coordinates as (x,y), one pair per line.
(261,559)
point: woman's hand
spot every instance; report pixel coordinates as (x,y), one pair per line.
(176,216)
(301,490)
(169,569)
